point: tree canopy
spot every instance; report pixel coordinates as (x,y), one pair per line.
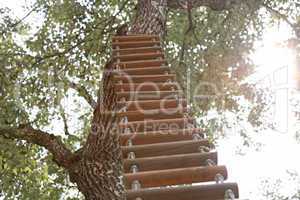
(51,70)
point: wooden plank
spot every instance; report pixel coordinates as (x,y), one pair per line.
(141,64)
(143,71)
(139,115)
(156,125)
(164,149)
(139,56)
(180,176)
(199,192)
(145,78)
(170,162)
(135,38)
(149,95)
(160,136)
(137,50)
(133,44)
(147,87)
(152,104)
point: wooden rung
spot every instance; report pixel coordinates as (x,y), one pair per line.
(170,162)
(152,104)
(180,176)
(149,95)
(139,56)
(147,87)
(199,192)
(156,125)
(133,44)
(141,64)
(145,78)
(135,38)
(163,149)
(159,136)
(143,71)
(153,114)
(137,50)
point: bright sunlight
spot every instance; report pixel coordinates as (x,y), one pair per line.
(276,69)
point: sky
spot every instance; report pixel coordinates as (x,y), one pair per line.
(278,150)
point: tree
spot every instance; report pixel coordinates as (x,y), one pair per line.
(63,56)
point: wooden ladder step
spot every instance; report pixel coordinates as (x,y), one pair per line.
(199,192)
(128,38)
(142,64)
(152,104)
(145,78)
(164,149)
(156,125)
(139,56)
(147,87)
(153,114)
(180,176)
(137,50)
(134,44)
(149,95)
(144,71)
(160,136)
(170,161)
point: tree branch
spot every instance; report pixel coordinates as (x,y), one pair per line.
(21,20)
(278,14)
(217,5)
(84,93)
(62,156)
(64,118)
(294,26)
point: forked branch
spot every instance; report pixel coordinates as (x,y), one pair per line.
(61,154)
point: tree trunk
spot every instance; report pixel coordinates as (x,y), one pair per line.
(150,17)
(98,172)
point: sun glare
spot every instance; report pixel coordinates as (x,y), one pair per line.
(273,55)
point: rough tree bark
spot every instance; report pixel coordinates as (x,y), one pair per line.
(97,167)
(150,17)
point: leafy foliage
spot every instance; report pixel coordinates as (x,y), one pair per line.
(70,45)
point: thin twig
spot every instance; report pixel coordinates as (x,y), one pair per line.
(21,20)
